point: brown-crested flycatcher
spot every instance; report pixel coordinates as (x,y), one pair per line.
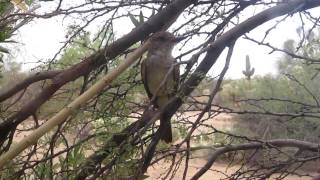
(157,78)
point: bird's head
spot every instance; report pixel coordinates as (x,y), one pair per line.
(164,41)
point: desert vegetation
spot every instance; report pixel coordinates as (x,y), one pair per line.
(83,113)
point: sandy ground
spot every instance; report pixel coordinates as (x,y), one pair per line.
(217,171)
(194,165)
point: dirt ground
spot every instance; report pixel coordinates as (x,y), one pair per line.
(194,165)
(217,171)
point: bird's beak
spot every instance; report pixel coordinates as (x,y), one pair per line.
(178,39)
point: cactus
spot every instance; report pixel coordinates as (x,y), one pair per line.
(249,71)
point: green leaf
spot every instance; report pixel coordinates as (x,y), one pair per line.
(29,2)
(1,60)
(153,12)
(134,20)
(4,50)
(141,18)
(3,6)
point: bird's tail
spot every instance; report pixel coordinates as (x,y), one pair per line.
(166,134)
(165,121)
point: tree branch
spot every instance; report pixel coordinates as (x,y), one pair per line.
(156,22)
(5,94)
(213,52)
(277,143)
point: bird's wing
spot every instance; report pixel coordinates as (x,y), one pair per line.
(176,78)
(144,78)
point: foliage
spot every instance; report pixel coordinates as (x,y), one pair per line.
(112,135)
(294,90)
(10,25)
(136,22)
(108,114)
(5,6)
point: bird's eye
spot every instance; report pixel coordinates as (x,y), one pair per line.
(161,38)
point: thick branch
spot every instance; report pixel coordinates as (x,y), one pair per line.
(62,115)
(155,23)
(95,160)
(218,46)
(5,94)
(278,143)
(214,50)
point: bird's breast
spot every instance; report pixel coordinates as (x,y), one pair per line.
(157,69)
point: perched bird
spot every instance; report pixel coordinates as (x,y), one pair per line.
(155,69)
